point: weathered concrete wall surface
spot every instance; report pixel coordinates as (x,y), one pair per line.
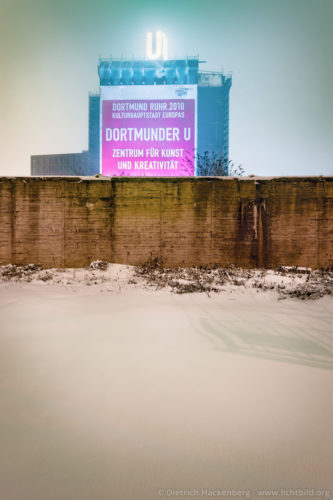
(249,222)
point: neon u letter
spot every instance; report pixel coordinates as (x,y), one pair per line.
(161,46)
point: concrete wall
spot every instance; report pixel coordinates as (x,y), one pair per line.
(193,221)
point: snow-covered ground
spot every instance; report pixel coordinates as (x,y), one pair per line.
(113,387)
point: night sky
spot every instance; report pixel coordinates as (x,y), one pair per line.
(279,53)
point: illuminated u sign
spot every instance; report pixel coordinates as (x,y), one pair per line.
(161,46)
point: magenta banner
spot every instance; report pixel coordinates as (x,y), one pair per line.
(148,137)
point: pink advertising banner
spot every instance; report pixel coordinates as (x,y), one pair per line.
(148,136)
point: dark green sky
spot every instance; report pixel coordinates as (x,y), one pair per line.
(279,51)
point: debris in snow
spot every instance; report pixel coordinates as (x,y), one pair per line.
(20,272)
(99,264)
(293,282)
(302,283)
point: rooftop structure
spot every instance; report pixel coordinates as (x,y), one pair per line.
(148,72)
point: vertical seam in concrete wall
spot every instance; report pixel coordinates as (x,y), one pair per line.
(112,216)
(212,237)
(255,220)
(13,222)
(259,228)
(318,236)
(261,262)
(62,223)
